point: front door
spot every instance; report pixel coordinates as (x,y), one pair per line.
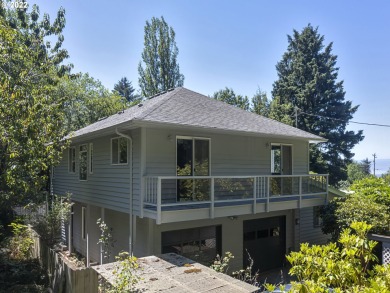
(193,159)
(265,241)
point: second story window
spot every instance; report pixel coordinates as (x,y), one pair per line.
(119,151)
(91,158)
(83,154)
(72,160)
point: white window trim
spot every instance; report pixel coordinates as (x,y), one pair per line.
(127,147)
(193,150)
(69,163)
(292,154)
(84,144)
(83,223)
(90,158)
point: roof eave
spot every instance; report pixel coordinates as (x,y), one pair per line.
(145,123)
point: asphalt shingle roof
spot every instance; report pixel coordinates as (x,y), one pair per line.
(183,107)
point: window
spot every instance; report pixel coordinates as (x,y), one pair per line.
(200,244)
(91,158)
(317,220)
(276,159)
(83,223)
(119,151)
(193,156)
(72,160)
(281,159)
(83,165)
(193,159)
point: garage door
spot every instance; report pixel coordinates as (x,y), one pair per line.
(265,240)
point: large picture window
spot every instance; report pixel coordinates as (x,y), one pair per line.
(199,244)
(119,151)
(193,159)
(83,164)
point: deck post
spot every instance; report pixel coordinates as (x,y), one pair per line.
(143,198)
(158,220)
(212,199)
(254,194)
(300,191)
(327,189)
(268,182)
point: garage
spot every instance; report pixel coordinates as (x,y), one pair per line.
(265,240)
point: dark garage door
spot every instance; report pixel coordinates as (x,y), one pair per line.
(265,240)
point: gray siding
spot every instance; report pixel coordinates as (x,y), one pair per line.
(307,232)
(137,178)
(108,186)
(154,154)
(230,155)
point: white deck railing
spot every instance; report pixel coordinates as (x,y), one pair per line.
(164,191)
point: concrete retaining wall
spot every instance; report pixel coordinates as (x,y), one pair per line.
(64,276)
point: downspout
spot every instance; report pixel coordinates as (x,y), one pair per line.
(131,189)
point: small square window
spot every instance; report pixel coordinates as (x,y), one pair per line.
(119,150)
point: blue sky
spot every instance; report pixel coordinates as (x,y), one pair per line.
(237,44)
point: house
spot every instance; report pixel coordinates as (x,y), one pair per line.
(184,173)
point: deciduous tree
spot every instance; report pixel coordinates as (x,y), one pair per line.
(87,100)
(369,202)
(308,80)
(31,116)
(161,70)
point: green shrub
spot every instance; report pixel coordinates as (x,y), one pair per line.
(49,226)
(21,242)
(343,268)
(125,272)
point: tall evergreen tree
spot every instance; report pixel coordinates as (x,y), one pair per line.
(307,79)
(260,103)
(125,89)
(227,95)
(161,71)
